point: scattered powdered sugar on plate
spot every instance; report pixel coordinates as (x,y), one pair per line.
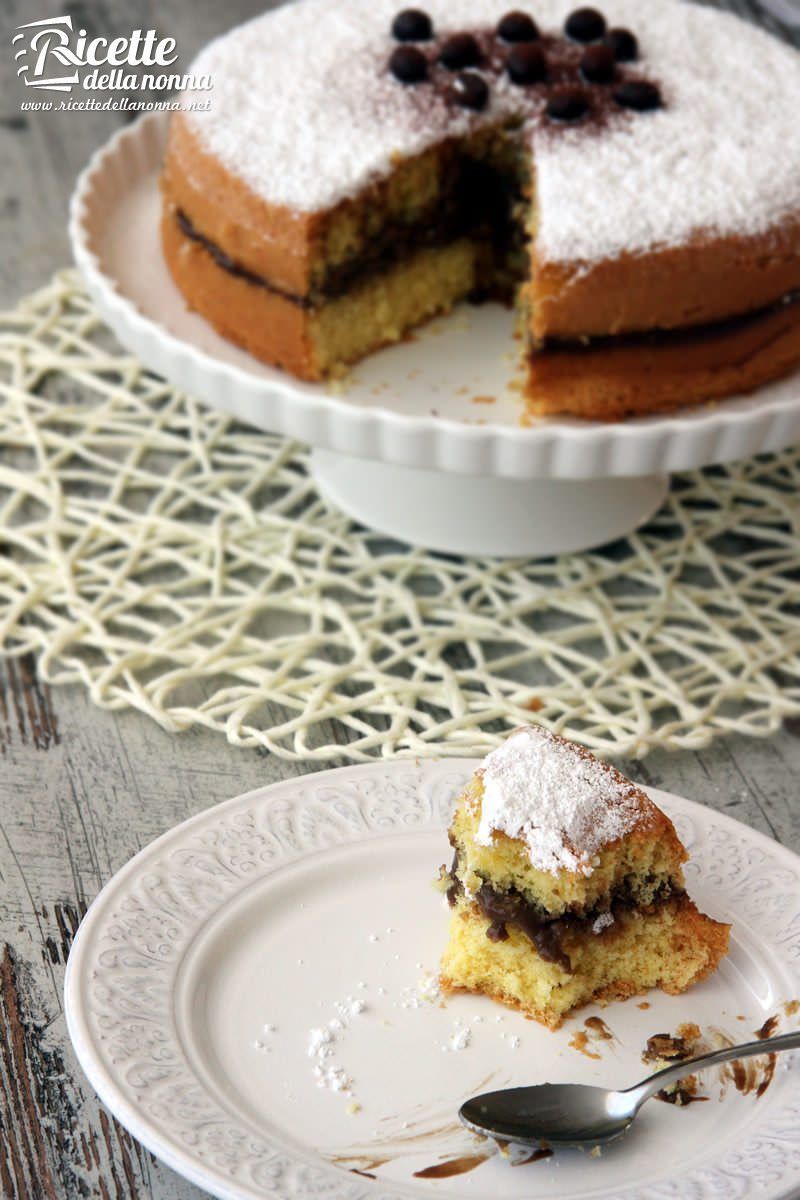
(425,991)
(460,1038)
(322,1044)
(564,805)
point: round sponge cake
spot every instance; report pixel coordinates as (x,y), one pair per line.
(323,205)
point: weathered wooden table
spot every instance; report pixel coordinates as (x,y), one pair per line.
(82,790)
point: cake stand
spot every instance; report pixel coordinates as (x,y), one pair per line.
(424,440)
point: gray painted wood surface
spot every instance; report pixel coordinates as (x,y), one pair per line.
(82,790)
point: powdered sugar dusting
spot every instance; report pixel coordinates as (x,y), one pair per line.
(565,806)
(304,112)
(323,1042)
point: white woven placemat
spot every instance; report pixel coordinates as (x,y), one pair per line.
(176,562)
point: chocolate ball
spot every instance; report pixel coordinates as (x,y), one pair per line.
(598,64)
(585,25)
(469,90)
(638,95)
(412,25)
(517,26)
(623,44)
(408,64)
(526,63)
(459,51)
(567,104)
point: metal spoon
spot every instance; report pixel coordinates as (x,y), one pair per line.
(573,1114)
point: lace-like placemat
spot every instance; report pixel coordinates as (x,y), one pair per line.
(176,562)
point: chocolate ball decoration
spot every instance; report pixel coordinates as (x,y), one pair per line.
(623,44)
(459,51)
(567,104)
(517,26)
(598,64)
(408,64)
(585,25)
(470,90)
(412,25)
(638,95)
(526,63)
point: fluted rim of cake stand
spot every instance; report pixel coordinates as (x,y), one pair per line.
(550,449)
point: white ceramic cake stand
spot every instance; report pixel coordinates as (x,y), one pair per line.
(424,441)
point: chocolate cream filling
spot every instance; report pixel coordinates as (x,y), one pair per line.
(478,203)
(481,220)
(686,335)
(546,932)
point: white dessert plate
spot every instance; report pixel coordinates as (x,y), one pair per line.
(200,971)
(424,441)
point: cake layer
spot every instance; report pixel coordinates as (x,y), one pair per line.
(672,946)
(612,378)
(604,379)
(311,342)
(549,934)
(393,247)
(447,190)
(458,185)
(649,851)
(721,157)
(674,288)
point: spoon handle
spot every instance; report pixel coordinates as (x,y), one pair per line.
(642,1091)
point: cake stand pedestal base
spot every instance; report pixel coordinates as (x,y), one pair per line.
(480,515)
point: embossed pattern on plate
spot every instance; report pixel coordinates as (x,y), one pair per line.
(200,969)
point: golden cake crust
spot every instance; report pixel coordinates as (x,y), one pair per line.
(267,324)
(677,287)
(267,239)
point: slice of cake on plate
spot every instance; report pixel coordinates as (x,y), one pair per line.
(567,885)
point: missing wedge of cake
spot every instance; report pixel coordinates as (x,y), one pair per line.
(567,885)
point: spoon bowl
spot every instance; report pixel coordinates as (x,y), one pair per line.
(561,1114)
(573,1114)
